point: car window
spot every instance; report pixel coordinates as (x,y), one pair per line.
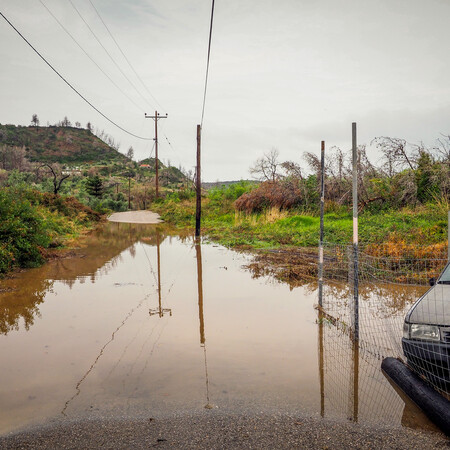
(445,277)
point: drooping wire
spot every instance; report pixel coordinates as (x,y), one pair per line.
(109,54)
(89,56)
(71,87)
(207,62)
(123,54)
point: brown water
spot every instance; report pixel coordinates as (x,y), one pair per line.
(142,323)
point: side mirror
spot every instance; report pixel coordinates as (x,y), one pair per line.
(432,281)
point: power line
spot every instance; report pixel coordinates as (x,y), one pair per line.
(110,57)
(89,56)
(207,62)
(123,54)
(71,87)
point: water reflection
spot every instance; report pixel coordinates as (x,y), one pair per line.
(122,331)
(160,310)
(198,253)
(21,295)
(352,385)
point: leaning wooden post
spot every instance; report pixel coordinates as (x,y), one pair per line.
(355,231)
(322,203)
(198,210)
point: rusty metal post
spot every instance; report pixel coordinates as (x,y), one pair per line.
(322,207)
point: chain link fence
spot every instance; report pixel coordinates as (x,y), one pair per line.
(391,278)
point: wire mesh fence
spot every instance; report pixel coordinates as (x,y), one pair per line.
(397,312)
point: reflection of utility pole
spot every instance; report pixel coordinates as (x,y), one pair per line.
(198,252)
(160,310)
(156,117)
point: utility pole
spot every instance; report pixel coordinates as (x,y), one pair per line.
(129,191)
(198,209)
(156,117)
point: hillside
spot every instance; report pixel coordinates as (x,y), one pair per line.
(167,174)
(65,145)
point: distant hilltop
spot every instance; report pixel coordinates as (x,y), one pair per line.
(60,144)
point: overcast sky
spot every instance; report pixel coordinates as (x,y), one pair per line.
(284,74)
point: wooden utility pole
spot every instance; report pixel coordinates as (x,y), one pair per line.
(156,117)
(129,191)
(198,209)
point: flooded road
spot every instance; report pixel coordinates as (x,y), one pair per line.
(144,323)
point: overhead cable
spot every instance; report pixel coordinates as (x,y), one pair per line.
(207,62)
(71,87)
(109,54)
(125,57)
(89,56)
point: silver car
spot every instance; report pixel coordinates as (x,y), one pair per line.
(426,332)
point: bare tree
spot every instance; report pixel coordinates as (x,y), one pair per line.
(35,120)
(58,176)
(267,167)
(394,151)
(13,158)
(443,148)
(65,122)
(292,169)
(130,153)
(89,127)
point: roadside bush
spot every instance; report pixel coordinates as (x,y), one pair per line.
(22,232)
(33,221)
(230,192)
(270,194)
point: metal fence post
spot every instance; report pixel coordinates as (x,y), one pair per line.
(322,202)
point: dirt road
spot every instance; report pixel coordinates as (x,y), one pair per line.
(147,217)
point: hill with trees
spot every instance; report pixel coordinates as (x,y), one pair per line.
(62,144)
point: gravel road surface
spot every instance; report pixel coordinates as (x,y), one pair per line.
(221,431)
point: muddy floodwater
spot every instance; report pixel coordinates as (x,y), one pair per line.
(141,322)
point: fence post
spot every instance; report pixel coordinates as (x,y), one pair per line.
(355,231)
(322,202)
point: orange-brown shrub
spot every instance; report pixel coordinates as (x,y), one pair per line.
(270,194)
